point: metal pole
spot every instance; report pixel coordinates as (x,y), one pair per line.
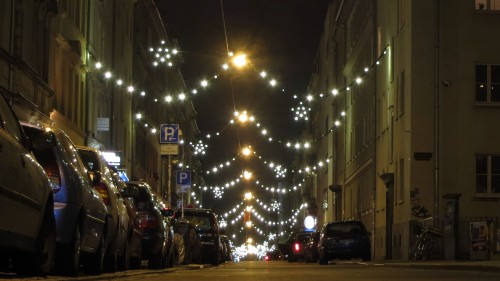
(169,180)
(182,205)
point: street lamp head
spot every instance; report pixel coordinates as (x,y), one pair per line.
(248,196)
(240,60)
(247,175)
(247,151)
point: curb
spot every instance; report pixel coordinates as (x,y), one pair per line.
(445,266)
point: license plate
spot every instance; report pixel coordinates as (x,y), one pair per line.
(346,241)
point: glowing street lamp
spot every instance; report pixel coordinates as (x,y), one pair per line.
(240,60)
(246,151)
(247,175)
(248,195)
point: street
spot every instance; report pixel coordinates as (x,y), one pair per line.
(285,271)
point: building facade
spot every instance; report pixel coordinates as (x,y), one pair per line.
(85,67)
(412,87)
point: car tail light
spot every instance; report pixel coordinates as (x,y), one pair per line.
(55,181)
(296,246)
(147,221)
(266,258)
(103,192)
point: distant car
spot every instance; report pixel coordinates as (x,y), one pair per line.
(296,244)
(27,223)
(344,240)
(226,247)
(117,212)
(79,211)
(131,257)
(311,248)
(154,228)
(275,255)
(207,229)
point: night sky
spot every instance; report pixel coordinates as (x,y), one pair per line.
(279,36)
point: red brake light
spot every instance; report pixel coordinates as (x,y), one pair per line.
(147,221)
(297,247)
(266,258)
(103,192)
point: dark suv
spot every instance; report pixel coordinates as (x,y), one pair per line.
(207,229)
(296,244)
(156,230)
(344,240)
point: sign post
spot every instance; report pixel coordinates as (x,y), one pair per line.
(169,145)
(183,181)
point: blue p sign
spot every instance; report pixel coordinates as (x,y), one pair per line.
(169,133)
(184,178)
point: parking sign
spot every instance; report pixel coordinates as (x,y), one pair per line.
(169,133)
(183,180)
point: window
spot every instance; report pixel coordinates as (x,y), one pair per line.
(487,83)
(488,5)
(401,181)
(401,93)
(488,174)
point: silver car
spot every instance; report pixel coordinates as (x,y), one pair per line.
(117,211)
(79,210)
(27,225)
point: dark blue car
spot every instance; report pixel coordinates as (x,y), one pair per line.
(344,240)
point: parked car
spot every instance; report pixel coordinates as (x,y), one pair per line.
(226,249)
(296,244)
(274,255)
(344,240)
(311,248)
(164,207)
(154,228)
(190,240)
(131,257)
(80,213)
(27,223)
(207,229)
(118,220)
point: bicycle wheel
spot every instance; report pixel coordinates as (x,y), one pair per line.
(428,246)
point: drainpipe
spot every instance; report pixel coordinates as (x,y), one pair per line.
(87,78)
(112,111)
(11,45)
(375,178)
(435,211)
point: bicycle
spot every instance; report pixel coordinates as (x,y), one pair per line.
(425,243)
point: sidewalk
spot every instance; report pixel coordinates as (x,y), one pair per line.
(492,265)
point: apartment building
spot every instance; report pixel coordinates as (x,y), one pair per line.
(406,108)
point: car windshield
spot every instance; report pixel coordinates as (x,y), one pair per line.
(200,222)
(337,228)
(303,238)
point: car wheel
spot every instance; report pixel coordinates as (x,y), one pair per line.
(215,260)
(322,260)
(110,258)
(68,255)
(156,260)
(41,263)
(123,262)
(94,263)
(367,256)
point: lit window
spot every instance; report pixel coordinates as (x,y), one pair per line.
(488,174)
(488,5)
(488,83)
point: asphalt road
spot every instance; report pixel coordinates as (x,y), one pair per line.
(284,271)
